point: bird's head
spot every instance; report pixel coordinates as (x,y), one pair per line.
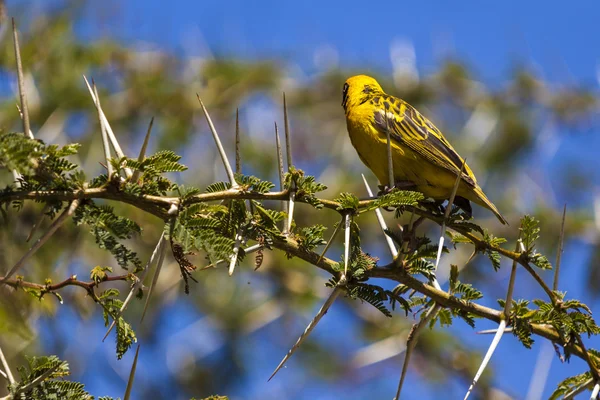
(359,89)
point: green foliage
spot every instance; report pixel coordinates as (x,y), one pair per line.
(569,318)
(417,262)
(572,384)
(218,187)
(34,159)
(98,274)
(252,184)
(395,198)
(109,229)
(530,233)
(213,228)
(493,255)
(311,237)
(347,201)
(519,319)
(376,296)
(111,305)
(151,169)
(306,186)
(457,238)
(52,386)
(42,167)
(463,291)
(466,226)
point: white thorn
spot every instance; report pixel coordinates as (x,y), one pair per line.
(109,131)
(346,243)
(220,148)
(382,223)
(236,251)
(488,355)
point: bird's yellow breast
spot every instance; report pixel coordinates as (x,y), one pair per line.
(371,146)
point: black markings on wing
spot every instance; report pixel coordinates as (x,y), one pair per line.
(408,126)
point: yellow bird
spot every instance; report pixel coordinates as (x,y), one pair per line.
(423,159)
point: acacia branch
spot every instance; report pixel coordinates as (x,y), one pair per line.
(159,206)
(71,281)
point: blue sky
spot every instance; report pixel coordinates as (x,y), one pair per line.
(560,40)
(557,37)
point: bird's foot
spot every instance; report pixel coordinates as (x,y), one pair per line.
(400,184)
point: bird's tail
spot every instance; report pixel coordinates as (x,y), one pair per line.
(485,202)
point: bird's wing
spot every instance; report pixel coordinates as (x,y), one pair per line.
(407,126)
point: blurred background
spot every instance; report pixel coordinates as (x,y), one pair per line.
(514,86)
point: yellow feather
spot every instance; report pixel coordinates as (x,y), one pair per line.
(420,152)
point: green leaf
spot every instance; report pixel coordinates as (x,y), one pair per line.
(54,386)
(98,273)
(395,198)
(305,185)
(571,384)
(530,231)
(311,237)
(125,336)
(347,201)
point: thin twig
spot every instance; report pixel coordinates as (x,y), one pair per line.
(328,245)
(131,375)
(334,294)
(39,243)
(588,359)
(21,82)
(37,223)
(105,144)
(220,148)
(71,281)
(11,378)
(411,342)
(142,155)
(560,249)
(382,223)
